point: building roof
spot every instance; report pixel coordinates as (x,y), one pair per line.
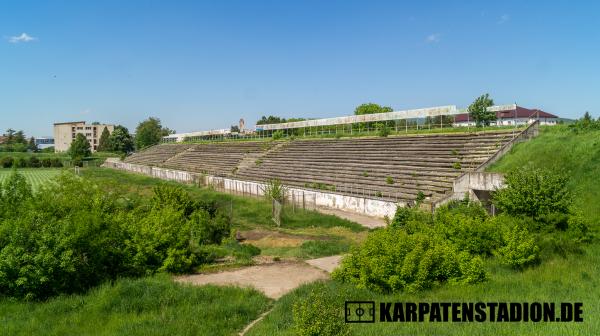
(70,122)
(518,112)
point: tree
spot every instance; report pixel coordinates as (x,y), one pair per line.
(234,129)
(80,147)
(10,135)
(149,132)
(103,144)
(32,146)
(270,120)
(20,138)
(371,108)
(120,140)
(478,110)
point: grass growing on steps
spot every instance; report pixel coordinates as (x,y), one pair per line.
(147,306)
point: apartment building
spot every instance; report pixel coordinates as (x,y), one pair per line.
(65,133)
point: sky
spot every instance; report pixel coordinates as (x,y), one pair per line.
(201,65)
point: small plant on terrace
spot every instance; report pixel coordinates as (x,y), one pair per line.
(389,180)
(365,174)
(275,190)
(420,198)
(456,165)
(258,162)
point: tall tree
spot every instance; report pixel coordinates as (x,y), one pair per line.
(478,110)
(103,144)
(20,138)
(371,108)
(149,132)
(120,140)
(10,135)
(270,120)
(80,147)
(32,146)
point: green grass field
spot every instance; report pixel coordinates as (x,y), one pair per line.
(148,306)
(35,176)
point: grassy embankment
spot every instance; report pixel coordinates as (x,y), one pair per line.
(573,278)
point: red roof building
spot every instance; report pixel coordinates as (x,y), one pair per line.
(511,115)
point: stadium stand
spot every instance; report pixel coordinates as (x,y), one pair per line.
(393,168)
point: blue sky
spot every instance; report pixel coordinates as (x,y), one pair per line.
(202,65)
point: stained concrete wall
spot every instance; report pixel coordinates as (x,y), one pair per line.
(360,205)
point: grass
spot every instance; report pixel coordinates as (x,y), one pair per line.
(574,277)
(147,306)
(35,176)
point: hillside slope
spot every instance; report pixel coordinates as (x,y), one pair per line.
(558,147)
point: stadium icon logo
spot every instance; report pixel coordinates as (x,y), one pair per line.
(360,311)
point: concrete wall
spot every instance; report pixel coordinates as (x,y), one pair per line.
(360,205)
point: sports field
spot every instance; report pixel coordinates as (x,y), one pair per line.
(35,176)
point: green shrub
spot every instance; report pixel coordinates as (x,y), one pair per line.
(277,135)
(519,248)
(318,315)
(383,130)
(389,180)
(46,162)
(466,224)
(534,192)
(34,162)
(456,165)
(7,162)
(393,260)
(71,235)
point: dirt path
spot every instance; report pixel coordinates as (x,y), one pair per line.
(328,264)
(274,280)
(367,221)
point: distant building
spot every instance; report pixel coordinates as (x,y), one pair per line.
(44,142)
(510,115)
(3,139)
(65,132)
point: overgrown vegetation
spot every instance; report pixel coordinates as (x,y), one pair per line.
(419,251)
(70,235)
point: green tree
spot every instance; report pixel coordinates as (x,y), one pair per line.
(104,144)
(478,110)
(371,108)
(120,140)
(234,129)
(270,120)
(20,138)
(80,147)
(149,133)
(32,146)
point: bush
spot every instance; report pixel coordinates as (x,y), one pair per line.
(318,315)
(7,162)
(70,235)
(393,260)
(34,162)
(519,248)
(382,130)
(534,193)
(46,162)
(466,224)
(56,163)
(277,135)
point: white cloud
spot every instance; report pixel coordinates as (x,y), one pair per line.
(21,38)
(503,18)
(433,38)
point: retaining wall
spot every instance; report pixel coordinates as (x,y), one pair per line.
(360,205)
